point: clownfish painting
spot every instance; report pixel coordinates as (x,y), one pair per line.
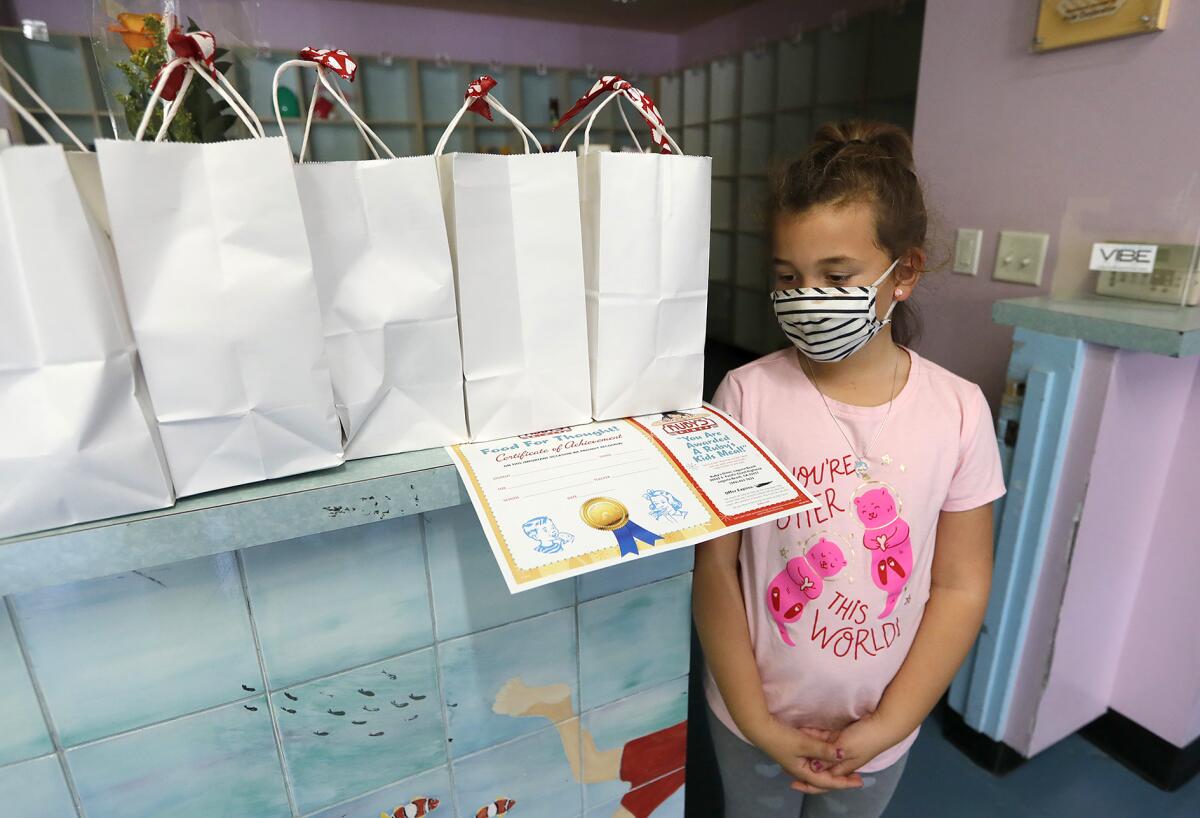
(416,808)
(500,806)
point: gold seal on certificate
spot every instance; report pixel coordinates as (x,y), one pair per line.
(604,513)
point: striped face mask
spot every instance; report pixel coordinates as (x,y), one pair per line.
(830,323)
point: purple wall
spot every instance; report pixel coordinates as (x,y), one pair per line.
(418,32)
(1082,144)
(767,20)
(1158,675)
(374,28)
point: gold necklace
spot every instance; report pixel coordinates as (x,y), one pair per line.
(861,461)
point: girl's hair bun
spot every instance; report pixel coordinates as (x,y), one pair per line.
(875,139)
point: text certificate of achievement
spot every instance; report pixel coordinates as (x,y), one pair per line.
(563,502)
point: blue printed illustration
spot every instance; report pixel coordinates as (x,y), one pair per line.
(665,506)
(545,533)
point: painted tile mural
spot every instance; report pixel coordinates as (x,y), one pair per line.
(638,742)
(331,601)
(671,808)
(21,723)
(486,675)
(533,772)
(35,789)
(347,734)
(614,664)
(220,762)
(622,577)
(394,690)
(469,594)
(151,645)
(430,791)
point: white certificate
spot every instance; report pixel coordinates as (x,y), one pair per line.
(563,502)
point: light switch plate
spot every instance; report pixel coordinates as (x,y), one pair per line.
(1020,257)
(966,251)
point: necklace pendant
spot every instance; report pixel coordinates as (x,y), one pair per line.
(860,468)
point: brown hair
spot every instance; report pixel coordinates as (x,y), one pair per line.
(859,161)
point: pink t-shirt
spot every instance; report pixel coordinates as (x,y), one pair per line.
(834,595)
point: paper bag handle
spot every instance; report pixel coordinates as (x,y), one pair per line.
(368,135)
(524,131)
(587,133)
(41,103)
(194,67)
(620,88)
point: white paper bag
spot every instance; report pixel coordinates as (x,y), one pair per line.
(386,287)
(77,439)
(218,280)
(646,242)
(514,236)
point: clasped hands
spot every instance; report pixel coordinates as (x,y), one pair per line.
(824,760)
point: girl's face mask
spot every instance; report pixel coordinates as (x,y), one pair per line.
(830,323)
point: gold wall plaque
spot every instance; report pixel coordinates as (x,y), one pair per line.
(1064,23)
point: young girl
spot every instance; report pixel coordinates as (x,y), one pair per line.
(830,635)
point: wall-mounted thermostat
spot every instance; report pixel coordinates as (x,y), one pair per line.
(1172,279)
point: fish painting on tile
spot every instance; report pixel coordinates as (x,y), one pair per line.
(426,795)
(501,806)
(338,745)
(417,808)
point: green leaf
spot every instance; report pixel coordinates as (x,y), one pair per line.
(203,117)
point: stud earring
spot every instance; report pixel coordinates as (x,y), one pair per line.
(899,292)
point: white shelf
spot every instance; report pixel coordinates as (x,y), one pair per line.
(751,264)
(720,258)
(723,89)
(695,96)
(761,107)
(842,60)
(758,81)
(797,61)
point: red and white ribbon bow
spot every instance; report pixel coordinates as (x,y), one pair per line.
(641,101)
(336,60)
(479,90)
(197,45)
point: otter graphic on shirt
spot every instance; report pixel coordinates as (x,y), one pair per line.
(886,534)
(800,582)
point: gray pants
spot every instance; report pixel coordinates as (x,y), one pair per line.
(756,787)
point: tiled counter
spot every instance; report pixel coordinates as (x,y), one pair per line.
(342,673)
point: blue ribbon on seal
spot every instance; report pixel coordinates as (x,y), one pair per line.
(628,535)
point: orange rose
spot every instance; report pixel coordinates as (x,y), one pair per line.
(132,28)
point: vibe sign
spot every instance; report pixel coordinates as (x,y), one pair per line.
(1123,258)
